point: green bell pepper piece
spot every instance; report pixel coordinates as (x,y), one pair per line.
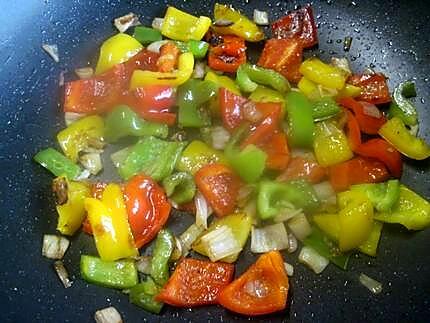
(191,96)
(153,157)
(322,244)
(143,295)
(370,246)
(249,76)
(248,163)
(300,120)
(411,211)
(113,274)
(401,107)
(164,245)
(198,48)
(382,195)
(57,163)
(146,35)
(180,187)
(324,108)
(272,197)
(122,121)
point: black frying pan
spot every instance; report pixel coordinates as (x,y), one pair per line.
(393,36)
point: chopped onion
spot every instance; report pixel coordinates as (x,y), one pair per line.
(251,113)
(270,237)
(203,210)
(54,247)
(108,315)
(325,91)
(289,269)
(70,117)
(61,79)
(157,23)
(287,214)
(220,243)
(369,71)
(83,175)
(370,109)
(62,273)
(325,192)
(292,243)
(155,46)
(261,17)
(143,264)
(92,162)
(199,70)
(52,51)
(119,156)
(244,194)
(251,209)
(177,251)
(313,259)
(223,23)
(342,63)
(220,137)
(300,226)
(188,237)
(124,22)
(373,285)
(84,72)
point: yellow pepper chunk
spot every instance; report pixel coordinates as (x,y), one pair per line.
(349,91)
(181,75)
(370,246)
(223,81)
(179,25)
(307,87)
(329,224)
(115,50)
(321,73)
(79,135)
(242,26)
(109,223)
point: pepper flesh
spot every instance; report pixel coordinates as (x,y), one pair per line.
(223,82)
(374,88)
(226,53)
(264,94)
(325,108)
(382,195)
(317,71)
(57,163)
(249,75)
(248,163)
(163,249)
(180,187)
(143,295)
(403,108)
(370,246)
(146,35)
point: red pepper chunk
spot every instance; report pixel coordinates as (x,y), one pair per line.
(353,131)
(196,282)
(220,186)
(231,108)
(283,56)
(299,24)
(147,208)
(303,168)
(374,87)
(262,289)
(226,53)
(276,148)
(358,170)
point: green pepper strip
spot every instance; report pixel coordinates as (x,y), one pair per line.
(382,195)
(146,35)
(324,108)
(249,76)
(122,121)
(300,120)
(273,195)
(191,96)
(57,163)
(143,295)
(403,108)
(153,157)
(114,274)
(163,249)
(318,241)
(198,48)
(180,187)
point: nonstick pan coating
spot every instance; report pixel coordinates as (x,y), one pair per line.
(392,36)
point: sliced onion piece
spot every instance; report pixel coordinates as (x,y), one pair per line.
(203,210)
(199,70)
(157,23)
(177,251)
(61,79)
(343,64)
(300,226)
(371,110)
(84,72)
(223,23)
(188,237)
(261,17)
(292,243)
(124,22)
(287,214)
(325,192)
(70,117)
(155,46)
(268,238)
(220,243)
(52,51)
(289,269)
(373,285)
(143,264)
(108,315)
(54,247)
(313,259)
(220,137)
(244,194)
(83,175)
(62,273)
(92,162)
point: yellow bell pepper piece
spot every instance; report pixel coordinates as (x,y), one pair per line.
(181,75)
(328,223)
(307,87)
(79,135)
(109,223)
(179,25)
(349,91)
(370,246)
(240,225)
(223,81)
(242,26)
(72,213)
(330,144)
(115,50)
(321,73)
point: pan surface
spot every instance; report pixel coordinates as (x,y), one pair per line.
(392,36)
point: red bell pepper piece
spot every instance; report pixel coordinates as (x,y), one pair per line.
(283,56)
(226,53)
(276,148)
(381,150)
(262,289)
(147,207)
(299,24)
(353,131)
(357,170)
(303,168)
(231,108)
(220,186)
(368,123)
(196,282)
(144,60)
(374,87)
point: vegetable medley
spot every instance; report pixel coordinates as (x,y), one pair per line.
(288,152)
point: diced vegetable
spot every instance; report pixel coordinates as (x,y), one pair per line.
(220,243)
(300,226)
(249,75)
(268,238)
(108,315)
(163,249)
(370,246)
(124,22)
(226,53)
(374,286)
(62,274)
(180,187)
(261,17)
(324,108)
(54,247)
(57,163)
(143,295)
(382,195)
(146,35)
(374,87)
(321,73)
(313,259)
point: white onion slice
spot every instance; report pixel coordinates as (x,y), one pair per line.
(54,247)
(370,109)
(300,226)
(268,238)
(313,259)
(143,264)
(373,285)
(199,70)
(52,51)
(92,162)
(220,243)
(157,23)
(289,269)
(62,273)
(84,72)
(108,315)
(203,210)
(261,17)
(342,63)
(292,243)
(188,237)
(124,22)
(70,117)
(220,137)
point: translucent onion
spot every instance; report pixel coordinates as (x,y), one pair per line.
(92,162)
(261,17)
(188,237)
(220,243)
(220,137)
(62,273)
(143,264)
(157,23)
(52,51)
(84,72)
(268,238)
(177,251)
(292,243)
(244,194)
(373,285)
(313,259)
(342,63)
(70,117)
(54,247)
(199,70)
(325,192)
(289,269)
(108,315)
(287,214)
(299,226)
(203,210)
(124,22)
